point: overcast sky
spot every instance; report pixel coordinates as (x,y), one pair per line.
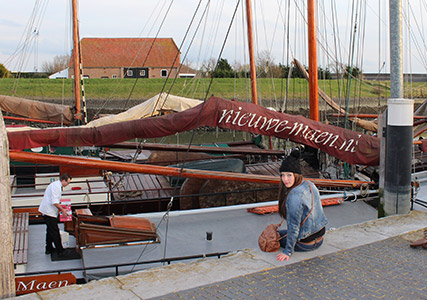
(41,30)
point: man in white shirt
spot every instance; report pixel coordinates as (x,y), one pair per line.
(49,208)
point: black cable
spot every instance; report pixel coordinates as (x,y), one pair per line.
(149,50)
(176,56)
(198,119)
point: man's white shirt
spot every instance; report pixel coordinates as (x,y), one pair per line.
(51,196)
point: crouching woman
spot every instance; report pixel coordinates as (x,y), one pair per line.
(300,205)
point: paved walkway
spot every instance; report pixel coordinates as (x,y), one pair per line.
(387,269)
(371,260)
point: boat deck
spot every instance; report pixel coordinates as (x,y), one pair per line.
(147,187)
(232,227)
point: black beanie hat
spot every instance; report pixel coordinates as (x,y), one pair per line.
(291,163)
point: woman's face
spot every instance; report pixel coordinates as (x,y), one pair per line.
(288,179)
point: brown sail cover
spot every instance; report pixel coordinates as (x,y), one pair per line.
(36,109)
(347,145)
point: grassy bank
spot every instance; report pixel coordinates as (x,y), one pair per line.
(117,89)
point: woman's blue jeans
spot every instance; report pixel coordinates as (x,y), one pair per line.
(299,246)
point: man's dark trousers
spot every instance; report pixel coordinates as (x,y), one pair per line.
(52,234)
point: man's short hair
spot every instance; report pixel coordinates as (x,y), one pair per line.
(65,177)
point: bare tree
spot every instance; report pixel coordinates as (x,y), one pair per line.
(59,63)
(242,70)
(266,67)
(208,67)
(265,61)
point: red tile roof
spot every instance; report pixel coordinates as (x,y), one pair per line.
(128,52)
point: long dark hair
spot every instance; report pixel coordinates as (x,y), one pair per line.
(284,192)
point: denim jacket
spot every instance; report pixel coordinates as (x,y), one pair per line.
(298,206)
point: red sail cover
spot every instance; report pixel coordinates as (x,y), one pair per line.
(347,145)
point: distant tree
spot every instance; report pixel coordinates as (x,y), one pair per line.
(207,68)
(355,72)
(4,73)
(324,73)
(242,71)
(266,67)
(296,73)
(59,63)
(223,70)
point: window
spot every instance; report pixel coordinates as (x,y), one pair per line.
(164,73)
(142,73)
(114,76)
(129,73)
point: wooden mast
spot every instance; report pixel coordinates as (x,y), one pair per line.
(76,59)
(251,52)
(312,57)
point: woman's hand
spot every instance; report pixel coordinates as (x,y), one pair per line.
(282,257)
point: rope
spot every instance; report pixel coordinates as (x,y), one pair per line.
(185,56)
(148,53)
(26,42)
(350,62)
(166,216)
(364,190)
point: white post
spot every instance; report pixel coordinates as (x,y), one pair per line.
(399,131)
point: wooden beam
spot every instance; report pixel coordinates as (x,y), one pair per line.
(165,171)
(7,272)
(184,148)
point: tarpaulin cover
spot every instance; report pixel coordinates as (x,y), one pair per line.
(37,109)
(347,145)
(150,108)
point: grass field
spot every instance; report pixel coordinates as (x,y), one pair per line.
(122,89)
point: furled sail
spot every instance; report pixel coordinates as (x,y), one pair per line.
(37,109)
(347,145)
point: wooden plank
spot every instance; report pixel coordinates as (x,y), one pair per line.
(14,221)
(254,170)
(20,237)
(271,169)
(164,183)
(150,185)
(161,191)
(142,185)
(130,184)
(83,212)
(26,224)
(156,185)
(15,237)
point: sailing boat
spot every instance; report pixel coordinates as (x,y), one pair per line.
(216,112)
